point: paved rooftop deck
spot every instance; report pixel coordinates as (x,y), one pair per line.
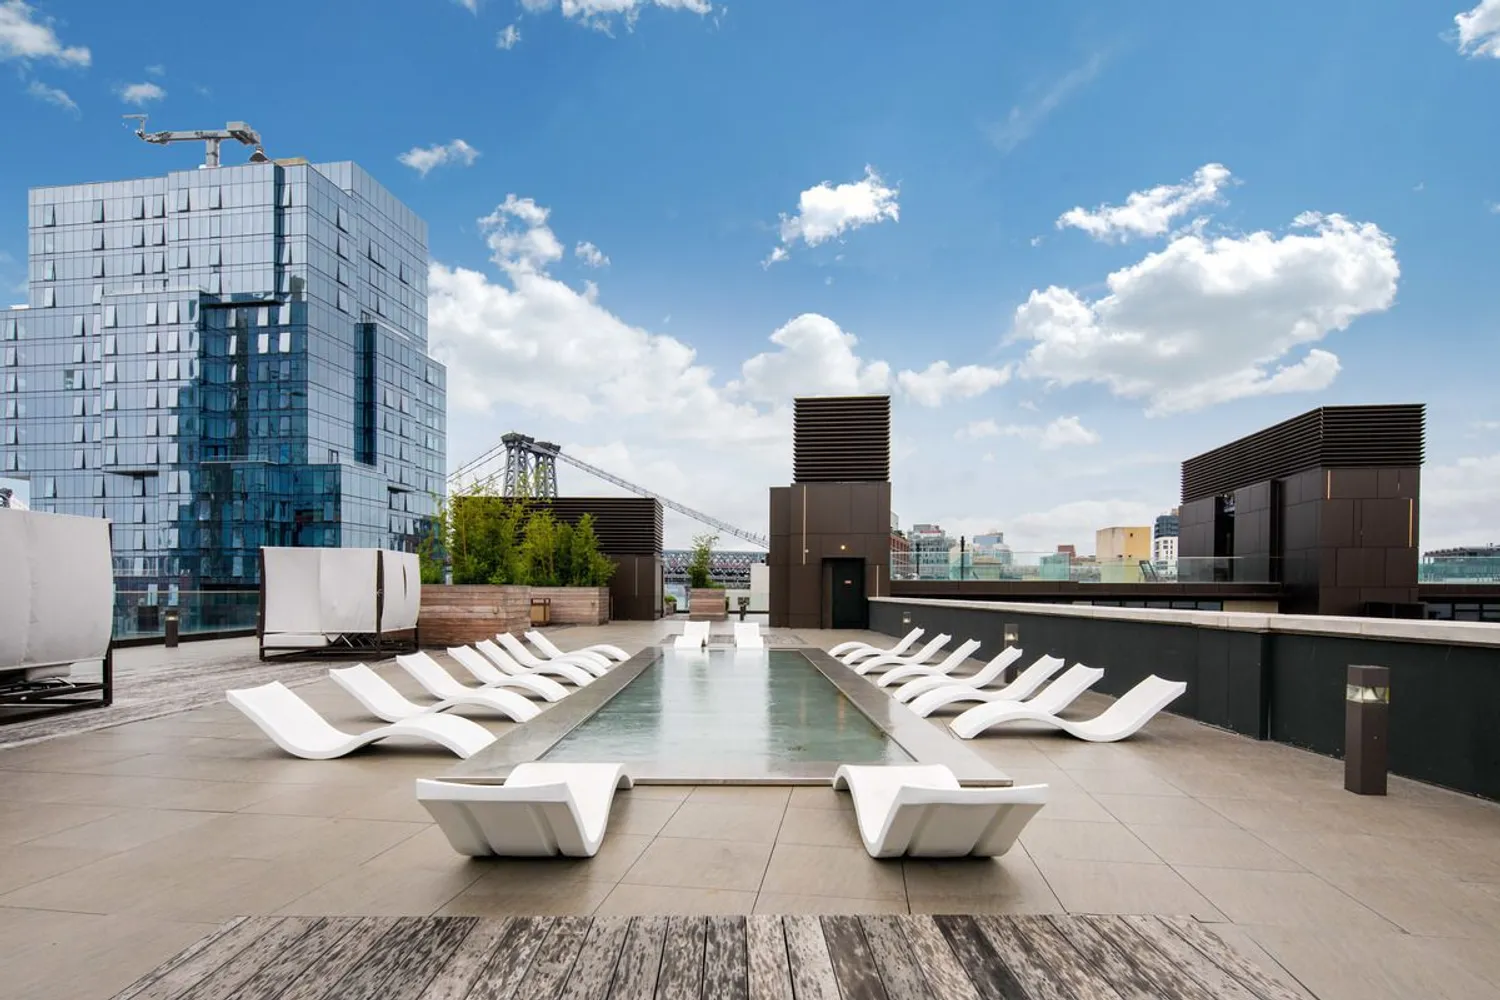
(120,846)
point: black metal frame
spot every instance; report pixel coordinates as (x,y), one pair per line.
(351,644)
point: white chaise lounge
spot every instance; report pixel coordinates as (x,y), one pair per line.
(843,649)
(885,661)
(931,648)
(383,701)
(919,810)
(1123,719)
(595,663)
(543,809)
(1026,682)
(541,642)
(573,673)
(1052,699)
(297,728)
(942,668)
(747,636)
(694,636)
(442,685)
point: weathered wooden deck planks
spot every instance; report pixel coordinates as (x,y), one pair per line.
(710,958)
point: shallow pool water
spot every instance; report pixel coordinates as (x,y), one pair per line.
(732,713)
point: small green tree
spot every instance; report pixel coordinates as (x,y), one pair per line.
(539,550)
(700,566)
(590,567)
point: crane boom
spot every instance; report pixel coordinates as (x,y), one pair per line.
(236,131)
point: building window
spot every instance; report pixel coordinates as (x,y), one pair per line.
(109,396)
(158,235)
(158,205)
(342,274)
(110,317)
(172,311)
(184,257)
(343,300)
(49,297)
(77,458)
(98,210)
(341,218)
(109,376)
(215,283)
(78,360)
(262,343)
(98,296)
(138,207)
(49,270)
(49,215)
(151,319)
(138,236)
(151,370)
(184,200)
(215,255)
(158,263)
(402,273)
(215,197)
(284,344)
(98,239)
(78,434)
(98,267)
(342,248)
(49,243)
(138,265)
(109,344)
(78,325)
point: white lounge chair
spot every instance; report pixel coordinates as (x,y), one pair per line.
(592,662)
(598,663)
(845,648)
(1052,699)
(440,684)
(383,701)
(541,642)
(943,668)
(1025,683)
(747,636)
(297,728)
(1123,719)
(694,636)
(884,661)
(542,809)
(571,672)
(920,811)
(931,648)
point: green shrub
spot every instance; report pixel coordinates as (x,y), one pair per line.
(489,538)
(701,564)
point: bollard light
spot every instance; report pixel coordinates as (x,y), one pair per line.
(906,618)
(1367,704)
(1012,633)
(170,624)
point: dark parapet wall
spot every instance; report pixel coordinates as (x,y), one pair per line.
(841,439)
(1330,437)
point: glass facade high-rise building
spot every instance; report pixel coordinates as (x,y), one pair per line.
(220,359)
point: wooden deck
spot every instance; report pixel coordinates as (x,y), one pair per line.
(713,958)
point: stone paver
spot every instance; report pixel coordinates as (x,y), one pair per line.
(120,845)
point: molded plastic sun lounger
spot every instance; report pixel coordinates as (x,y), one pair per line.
(694,636)
(920,811)
(383,701)
(1023,686)
(928,651)
(1124,718)
(845,648)
(886,661)
(297,728)
(543,809)
(570,672)
(440,684)
(592,662)
(942,669)
(597,663)
(543,643)
(1052,699)
(747,636)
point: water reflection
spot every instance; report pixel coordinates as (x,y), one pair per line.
(741,711)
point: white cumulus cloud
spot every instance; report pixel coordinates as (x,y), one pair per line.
(1479,30)
(508,38)
(141,93)
(1203,321)
(1152,212)
(51,95)
(590,254)
(26,36)
(827,211)
(940,381)
(601,14)
(1060,433)
(1459,500)
(424,158)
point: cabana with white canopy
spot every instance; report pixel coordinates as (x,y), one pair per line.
(338,600)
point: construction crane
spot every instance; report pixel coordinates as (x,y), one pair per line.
(238,131)
(536,462)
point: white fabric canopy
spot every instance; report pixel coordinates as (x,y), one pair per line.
(402,573)
(57,588)
(321,592)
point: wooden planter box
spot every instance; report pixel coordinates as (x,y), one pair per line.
(461,614)
(707,604)
(576,605)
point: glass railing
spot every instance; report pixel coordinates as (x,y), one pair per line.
(142,614)
(1033,567)
(1461,569)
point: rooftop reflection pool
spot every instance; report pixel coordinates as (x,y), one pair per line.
(730,713)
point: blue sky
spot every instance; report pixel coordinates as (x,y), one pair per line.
(1086,352)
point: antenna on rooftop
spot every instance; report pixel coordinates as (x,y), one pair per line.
(237,131)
